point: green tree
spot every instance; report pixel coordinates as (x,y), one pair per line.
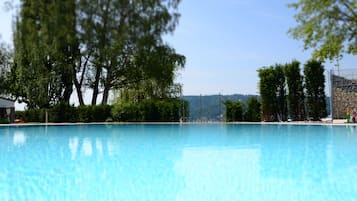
(281,102)
(315,89)
(328,27)
(5,69)
(45,47)
(253,110)
(234,110)
(295,90)
(273,93)
(117,35)
(95,44)
(267,90)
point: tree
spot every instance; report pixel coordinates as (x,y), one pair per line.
(315,89)
(253,110)
(273,93)
(267,90)
(92,44)
(45,50)
(5,69)
(234,110)
(328,27)
(295,90)
(118,34)
(281,103)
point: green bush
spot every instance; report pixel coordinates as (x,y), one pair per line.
(62,112)
(101,112)
(126,112)
(147,110)
(4,121)
(35,115)
(20,114)
(84,113)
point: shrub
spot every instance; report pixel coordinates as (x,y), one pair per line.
(20,114)
(34,115)
(125,112)
(101,112)
(4,121)
(84,113)
(147,110)
(62,112)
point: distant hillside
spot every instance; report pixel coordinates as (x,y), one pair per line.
(210,108)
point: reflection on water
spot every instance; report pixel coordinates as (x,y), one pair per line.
(87,147)
(110,148)
(90,147)
(19,138)
(73,146)
(221,172)
(99,146)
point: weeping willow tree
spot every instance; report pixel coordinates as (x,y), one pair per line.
(161,65)
(120,37)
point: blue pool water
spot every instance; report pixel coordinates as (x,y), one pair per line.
(178,163)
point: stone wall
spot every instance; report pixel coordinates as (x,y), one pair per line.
(341,100)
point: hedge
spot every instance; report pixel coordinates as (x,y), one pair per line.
(147,110)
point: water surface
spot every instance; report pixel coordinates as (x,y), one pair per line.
(178,162)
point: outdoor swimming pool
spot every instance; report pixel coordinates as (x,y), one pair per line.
(178,162)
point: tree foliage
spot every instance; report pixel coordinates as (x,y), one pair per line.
(45,48)
(101,45)
(274,100)
(5,69)
(273,93)
(122,40)
(328,27)
(253,110)
(295,87)
(280,84)
(267,90)
(234,110)
(315,89)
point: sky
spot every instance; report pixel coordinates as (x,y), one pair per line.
(225,42)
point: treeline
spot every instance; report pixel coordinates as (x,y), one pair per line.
(285,93)
(148,111)
(63,48)
(243,111)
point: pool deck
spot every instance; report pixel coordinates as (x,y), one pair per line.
(341,122)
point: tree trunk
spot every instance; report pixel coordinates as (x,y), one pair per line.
(96,86)
(78,84)
(67,93)
(105,95)
(107,85)
(79,92)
